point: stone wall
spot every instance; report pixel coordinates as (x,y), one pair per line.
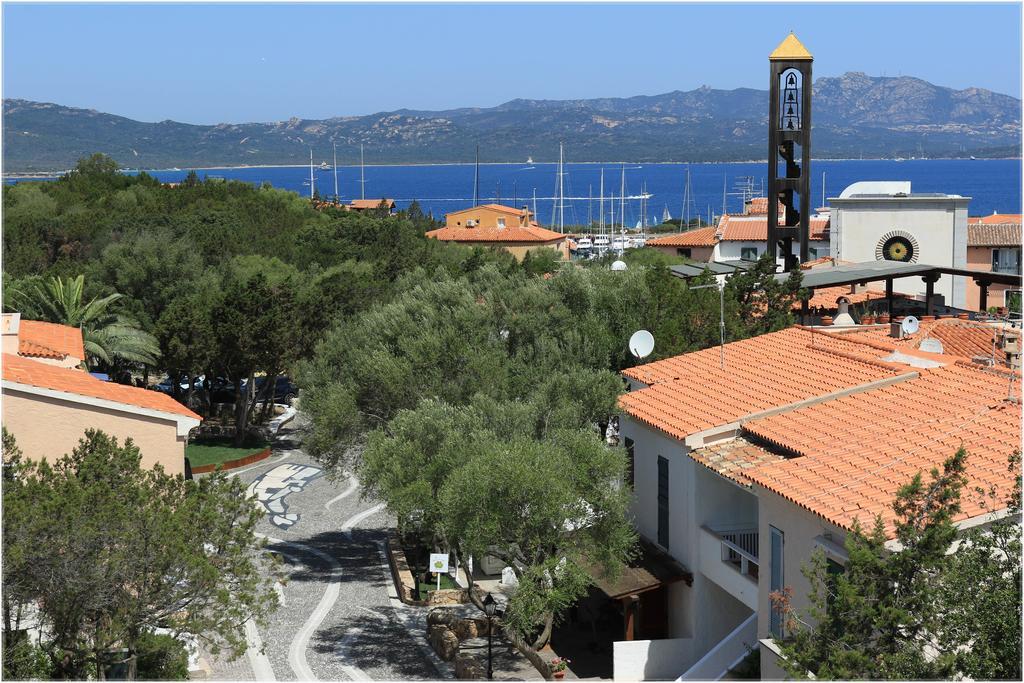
(405,585)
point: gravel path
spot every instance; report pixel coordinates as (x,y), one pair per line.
(336,620)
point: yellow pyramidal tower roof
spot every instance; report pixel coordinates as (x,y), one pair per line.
(790,50)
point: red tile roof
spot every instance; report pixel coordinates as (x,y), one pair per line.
(995,219)
(758,206)
(49,340)
(826,297)
(999,235)
(513,233)
(701,237)
(856,451)
(33,373)
(959,338)
(691,392)
(755,228)
(361,204)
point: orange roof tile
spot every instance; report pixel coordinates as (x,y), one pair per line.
(49,340)
(994,235)
(856,451)
(995,219)
(758,206)
(959,338)
(513,233)
(701,237)
(755,228)
(826,297)
(370,203)
(691,392)
(33,373)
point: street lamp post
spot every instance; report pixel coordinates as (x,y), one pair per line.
(489,606)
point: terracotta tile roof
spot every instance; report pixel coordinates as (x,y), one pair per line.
(691,393)
(513,233)
(758,206)
(45,376)
(826,297)
(701,237)
(856,451)
(500,208)
(755,228)
(959,337)
(995,219)
(370,203)
(49,340)
(733,458)
(998,235)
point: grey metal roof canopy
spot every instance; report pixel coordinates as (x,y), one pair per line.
(688,270)
(871,271)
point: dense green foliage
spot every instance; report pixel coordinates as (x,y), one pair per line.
(938,606)
(105,551)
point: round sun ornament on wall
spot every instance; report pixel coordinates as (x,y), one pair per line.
(897,245)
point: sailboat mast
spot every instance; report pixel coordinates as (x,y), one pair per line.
(590,206)
(823,188)
(600,220)
(622,198)
(724,176)
(335,172)
(688,198)
(476,178)
(311,173)
(561,189)
(362,174)
(535,203)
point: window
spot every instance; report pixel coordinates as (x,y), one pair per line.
(684,252)
(501,222)
(1006,261)
(775,624)
(832,570)
(663,502)
(630,476)
(812,253)
(1011,299)
(748,253)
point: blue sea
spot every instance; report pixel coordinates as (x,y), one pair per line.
(992,185)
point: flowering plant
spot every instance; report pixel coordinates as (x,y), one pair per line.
(559,664)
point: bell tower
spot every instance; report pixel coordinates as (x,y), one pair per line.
(789,142)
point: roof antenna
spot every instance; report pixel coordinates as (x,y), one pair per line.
(721,318)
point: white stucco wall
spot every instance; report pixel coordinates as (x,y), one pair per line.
(801,530)
(939,225)
(703,612)
(733,250)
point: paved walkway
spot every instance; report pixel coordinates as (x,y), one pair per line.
(337,619)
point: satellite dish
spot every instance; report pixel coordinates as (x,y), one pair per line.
(910,325)
(641,343)
(619,265)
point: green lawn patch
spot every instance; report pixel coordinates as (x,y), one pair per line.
(217,451)
(446,582)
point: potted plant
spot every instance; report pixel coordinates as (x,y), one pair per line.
(883,318)
(558,667)
(867,319)
(826,320)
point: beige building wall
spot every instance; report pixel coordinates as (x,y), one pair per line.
(47,428)
(485,217)
(519,250)
(698,254)
(980,258)
(803,533)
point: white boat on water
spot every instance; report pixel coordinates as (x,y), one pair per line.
(639,242)
(584,243)
(324,166)
(601,242)
(529,161)
(620,243)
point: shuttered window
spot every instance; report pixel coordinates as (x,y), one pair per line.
(630,465)
(663,502)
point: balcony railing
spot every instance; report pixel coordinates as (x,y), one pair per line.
(739,550)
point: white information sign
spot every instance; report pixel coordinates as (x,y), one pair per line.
(439,565)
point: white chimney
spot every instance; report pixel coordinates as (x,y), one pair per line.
(843,317)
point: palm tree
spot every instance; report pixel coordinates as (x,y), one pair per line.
(107,335)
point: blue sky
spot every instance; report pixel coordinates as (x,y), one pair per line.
(232,63)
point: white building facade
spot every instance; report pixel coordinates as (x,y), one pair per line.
(874,221)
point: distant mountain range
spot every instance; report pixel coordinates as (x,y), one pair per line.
(855,115)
